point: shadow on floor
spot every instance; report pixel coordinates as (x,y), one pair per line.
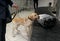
(40,34)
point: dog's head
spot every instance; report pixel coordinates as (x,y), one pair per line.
(33,16)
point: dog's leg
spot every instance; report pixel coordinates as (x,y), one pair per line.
(29,31)
(15,30)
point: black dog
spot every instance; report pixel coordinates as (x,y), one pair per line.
(46,21)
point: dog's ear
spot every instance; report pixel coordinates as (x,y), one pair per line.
(30,17)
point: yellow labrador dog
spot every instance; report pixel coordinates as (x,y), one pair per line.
(25,22)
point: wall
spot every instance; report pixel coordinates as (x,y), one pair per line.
(44,2)
(22,3)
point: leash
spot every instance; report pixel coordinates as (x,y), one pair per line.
(15,13)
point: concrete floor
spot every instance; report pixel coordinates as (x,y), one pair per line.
(38,33)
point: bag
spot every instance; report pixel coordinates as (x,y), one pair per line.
(8,20)
(8,15)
